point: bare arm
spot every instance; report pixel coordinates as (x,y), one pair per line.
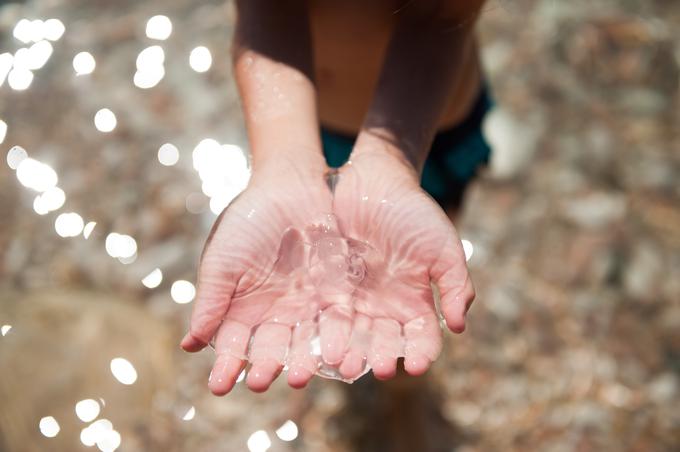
(421,67)
(272,58)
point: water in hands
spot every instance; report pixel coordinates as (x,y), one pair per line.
(343,293)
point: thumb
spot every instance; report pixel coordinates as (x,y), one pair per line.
(215,290)
(451,276)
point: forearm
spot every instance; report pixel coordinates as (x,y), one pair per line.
(272,61)
(421,69)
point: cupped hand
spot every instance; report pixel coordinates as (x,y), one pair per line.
(253,299)
(408,243)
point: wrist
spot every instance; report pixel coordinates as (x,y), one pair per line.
(305,162)
(400,157)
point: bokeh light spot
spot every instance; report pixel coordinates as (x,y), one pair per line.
(105,120)
(49,426)
(182,291)
(84,63)
(468,249)
(288,431)
(6,63)
(120,245)
(52,199)
(259,441)
(158,27)
(153,279)
(69,224)
(190,414)
(123,371)
(168,154)
(200,59)
(87,410)
(87,230)
(36,175)
(20,78)
(54,29)
(15,156)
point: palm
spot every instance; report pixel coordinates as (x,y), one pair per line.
(405,240)
(289,263)
(254,298)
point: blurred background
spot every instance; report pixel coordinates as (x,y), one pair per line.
(122,110)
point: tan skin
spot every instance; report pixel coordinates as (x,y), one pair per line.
(393,73)
(347,65)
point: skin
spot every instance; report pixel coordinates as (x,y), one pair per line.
(287,85)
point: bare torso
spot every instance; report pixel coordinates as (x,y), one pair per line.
(350,38)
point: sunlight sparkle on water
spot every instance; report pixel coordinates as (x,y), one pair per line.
(153,279)
(168,154)
(120,245)
(259,442)
(36,175)
(84,63)
(3,130)
(123,371)
(23,31)
(150,70)
(15,156)
(35,57)
(182,291)
(102,434)
(149,78)
(468,249)
(6,63)
(200,59)
(52,199)
(87,230)
(288,431)
(69,224)
(90,434)
(53,29)
(39,206)
(105,120)
(87,410)
(150,57)
(109,441)
(189,414)
(4,329)
(49,426)
(159,28)
(20,78)
(223,170)
(35,30)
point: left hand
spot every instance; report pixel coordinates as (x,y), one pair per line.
(378,201)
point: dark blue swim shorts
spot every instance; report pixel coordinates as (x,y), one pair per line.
(455,156)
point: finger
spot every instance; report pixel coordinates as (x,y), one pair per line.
(302,363)
(224,374)
(451,275)
(354,362)
(335,327)
(386,347)
(215,289)
(267,355)
(231,345)
(423,343)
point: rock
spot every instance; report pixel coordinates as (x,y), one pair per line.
(513,142)
(595,210)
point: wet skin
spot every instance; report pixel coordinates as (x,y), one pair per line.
(264,292)
(254,275)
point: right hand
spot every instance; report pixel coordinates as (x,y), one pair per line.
(242,285)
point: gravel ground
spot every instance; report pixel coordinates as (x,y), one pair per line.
(573,343)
